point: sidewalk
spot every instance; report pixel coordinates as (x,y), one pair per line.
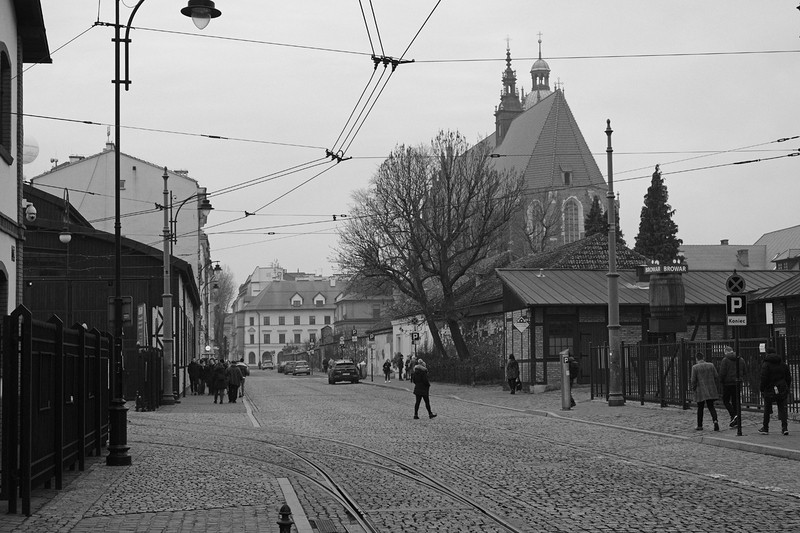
(669,422)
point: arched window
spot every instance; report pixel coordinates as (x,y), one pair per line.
(5,106)
(572,220)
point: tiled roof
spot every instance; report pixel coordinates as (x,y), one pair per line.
(576,287)
(780,240)
(589,253)
(544,140)
(278,294)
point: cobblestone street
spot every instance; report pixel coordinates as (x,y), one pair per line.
(490,461)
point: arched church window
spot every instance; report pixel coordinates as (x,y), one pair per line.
(572,220)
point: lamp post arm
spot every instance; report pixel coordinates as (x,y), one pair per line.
(127,41)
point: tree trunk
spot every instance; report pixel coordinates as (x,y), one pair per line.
(458,339)
(437,338)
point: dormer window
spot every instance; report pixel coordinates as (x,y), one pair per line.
(319,300)
(297,300)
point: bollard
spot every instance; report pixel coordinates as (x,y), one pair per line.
(566,392)
(285,522)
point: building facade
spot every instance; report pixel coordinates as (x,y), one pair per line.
(22,40)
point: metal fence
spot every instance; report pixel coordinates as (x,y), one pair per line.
(464,373)
(54,402)
(660,372)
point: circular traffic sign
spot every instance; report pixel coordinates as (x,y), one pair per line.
(735,284)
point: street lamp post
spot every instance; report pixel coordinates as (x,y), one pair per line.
(615,396)
(202,10)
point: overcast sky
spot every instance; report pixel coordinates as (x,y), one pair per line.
(692,86)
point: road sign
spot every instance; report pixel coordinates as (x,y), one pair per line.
(735,284)
(521,324)
(736,309)
(341,340)
(414,337)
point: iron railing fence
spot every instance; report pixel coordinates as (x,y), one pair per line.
(659,373)
(54,402)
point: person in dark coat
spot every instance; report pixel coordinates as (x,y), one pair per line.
(387,371)
(775,382)
(704,384)
(422,389)
(219,384)
(727,377)
(512,373)
(194,375)
(234,378)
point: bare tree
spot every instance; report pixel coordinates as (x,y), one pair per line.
(430,215)
(542,221)
(224,291)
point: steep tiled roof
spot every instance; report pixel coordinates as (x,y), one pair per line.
(589,253)
(543,141)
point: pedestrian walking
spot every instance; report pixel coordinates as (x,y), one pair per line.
(201,379)
(574,370)
(234,379)
(245,370)
(325,365)
(728,376)
(512,373)
(208,375)
(775,382)
(219,380)
(399,364)
(704,384)
(422,389)
(194,375)
(387,371)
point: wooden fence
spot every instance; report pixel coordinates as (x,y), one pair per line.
(55,396)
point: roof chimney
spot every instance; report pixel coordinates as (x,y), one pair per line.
(724,242)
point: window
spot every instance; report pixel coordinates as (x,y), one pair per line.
(266,338)
(252,321)
(252,339)
(5,106)
(312,338)
(296,320)
(297,300)
(297,338)
(266,321)
(281,338)
(572,221)
(567,177)
(122,185)
(319,300)
(327,319)
(281,320)
(312,320)
(376,311)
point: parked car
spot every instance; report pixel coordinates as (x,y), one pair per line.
(301,367)
(288,367)
(342,370)
(281,367)
(267,365)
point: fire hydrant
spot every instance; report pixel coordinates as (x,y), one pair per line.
(285,523)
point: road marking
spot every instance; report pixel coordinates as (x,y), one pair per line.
(249,407)
(298,515)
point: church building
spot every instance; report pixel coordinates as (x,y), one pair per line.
(537,135)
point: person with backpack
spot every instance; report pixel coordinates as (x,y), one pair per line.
(775,382)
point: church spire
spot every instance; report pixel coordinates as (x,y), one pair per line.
(510,104)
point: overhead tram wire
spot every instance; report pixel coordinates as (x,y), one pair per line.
(39,62)
(174,132)
(369,105)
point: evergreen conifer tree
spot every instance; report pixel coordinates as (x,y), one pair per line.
(595,221)
(657,238)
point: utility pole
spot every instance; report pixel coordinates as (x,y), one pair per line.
(168,397)
(615,396)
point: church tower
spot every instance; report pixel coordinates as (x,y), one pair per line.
(510,106)
(540,76)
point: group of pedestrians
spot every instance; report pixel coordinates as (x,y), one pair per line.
(220,377)
(774,384)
